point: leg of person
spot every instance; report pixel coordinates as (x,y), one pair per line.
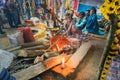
(97,31)
(1,32)
(15,18)
(18,13)
(9,18)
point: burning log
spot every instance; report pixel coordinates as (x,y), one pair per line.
(60,43)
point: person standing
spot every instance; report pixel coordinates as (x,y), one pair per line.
(1,24)
(14,13)
(8,14)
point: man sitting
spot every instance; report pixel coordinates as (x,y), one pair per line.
(92,23)
(81,22)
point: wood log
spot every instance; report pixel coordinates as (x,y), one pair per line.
(32,44)
(30,53)
(39,68)
(34,53)
(14,48)
(74,61)
(38,47)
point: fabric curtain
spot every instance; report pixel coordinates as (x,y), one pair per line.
(76,3)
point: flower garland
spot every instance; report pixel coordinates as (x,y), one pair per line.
(107,8)
(110,7)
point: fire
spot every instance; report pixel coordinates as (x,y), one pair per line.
(59,42)
(63,63)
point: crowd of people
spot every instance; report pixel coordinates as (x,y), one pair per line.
(11,12)
(84,22)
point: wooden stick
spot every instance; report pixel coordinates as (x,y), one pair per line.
(32,44)
(37,47)
(31,53)
(14,48)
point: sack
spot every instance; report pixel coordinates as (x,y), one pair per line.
(27,34)
(16,38)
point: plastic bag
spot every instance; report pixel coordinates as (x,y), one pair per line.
(6,59)
(16,38)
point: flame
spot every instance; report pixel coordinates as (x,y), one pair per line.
(61,42)
(63,60)
(63,63)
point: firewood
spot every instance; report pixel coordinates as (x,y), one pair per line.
(47,55)
(14,48)
(50,54)
(34,53)
(32,44)
(30,53)
(37,47)
(39,68)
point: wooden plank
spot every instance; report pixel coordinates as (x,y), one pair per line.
(74,61)
(39,68)
(31,44)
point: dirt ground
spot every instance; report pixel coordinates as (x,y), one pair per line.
(88,68)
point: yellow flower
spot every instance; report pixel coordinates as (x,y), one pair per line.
(118,17)
(108,61)
(109,57)
(118,24)
(118,30)
(110,8)
(116,40)
(102,7)
(104,69)
(109,1)
(115,46)
(117,2)
(106,15)
(107,66)
(103,76)
(117,11)
(116,52)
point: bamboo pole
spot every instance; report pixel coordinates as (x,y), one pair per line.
(113,19)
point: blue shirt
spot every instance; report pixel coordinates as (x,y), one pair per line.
(92,22)
(81,23)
